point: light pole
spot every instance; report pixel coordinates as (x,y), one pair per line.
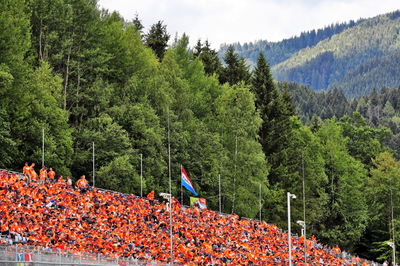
(304,210)
(303,233)
(93,167)
(293,196)
(393,243)
(42,147)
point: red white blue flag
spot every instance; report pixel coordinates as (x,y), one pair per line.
(186,182)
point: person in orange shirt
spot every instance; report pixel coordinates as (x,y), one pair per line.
(43,174)
(51,175)
(32,172)
(61,180)
(26,169)
(82,184)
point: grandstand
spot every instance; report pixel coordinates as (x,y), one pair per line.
(56,224)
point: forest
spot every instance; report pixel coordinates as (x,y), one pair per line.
(356,57)
(86,75)
(277,52)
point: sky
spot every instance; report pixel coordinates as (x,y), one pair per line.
(228,21)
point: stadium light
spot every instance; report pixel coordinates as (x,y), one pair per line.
(293,196)
(303,233)
(392,245)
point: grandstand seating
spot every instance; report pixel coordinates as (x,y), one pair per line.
(58,216)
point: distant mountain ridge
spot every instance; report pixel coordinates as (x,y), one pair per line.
(277,52)
(355,57)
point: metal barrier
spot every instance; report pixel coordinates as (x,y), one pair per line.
(25,255)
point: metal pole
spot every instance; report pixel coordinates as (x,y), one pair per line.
(289,230)
(219,192)
(260,202)
(394,243)
(170,192)
(141,175)
(181,187)
(304,210)
(234,177)
(42,147)
(93,167)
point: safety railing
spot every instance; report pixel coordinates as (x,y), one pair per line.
(16,255)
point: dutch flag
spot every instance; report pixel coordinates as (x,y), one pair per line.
(186,181)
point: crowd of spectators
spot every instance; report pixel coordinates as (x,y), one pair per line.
(55,214)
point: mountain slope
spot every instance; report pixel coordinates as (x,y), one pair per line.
(277,52)
(355,57)
(331,60)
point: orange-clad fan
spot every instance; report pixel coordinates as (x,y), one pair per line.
(43,174)
(51,175)
(55,215)
(32,172)
(82,183)
(26,170)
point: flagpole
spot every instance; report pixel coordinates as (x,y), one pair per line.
(141,175)
(170,193)
(181,187)
(260,203)
(219,192)
(93,167)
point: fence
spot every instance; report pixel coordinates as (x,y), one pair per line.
(14,255)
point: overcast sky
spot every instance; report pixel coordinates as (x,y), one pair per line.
(227,21)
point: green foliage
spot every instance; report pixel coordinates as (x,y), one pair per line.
(277,52)
(208,56)
(364,142)
(355,57)
(382,195)
(235,70)
(120,175)
(347,210)
(239,123)
(157,39)
(381,111)
(356,60)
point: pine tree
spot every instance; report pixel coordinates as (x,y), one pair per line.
(157,39)
(265,92)
(138,23)
(208,56)
(235,69)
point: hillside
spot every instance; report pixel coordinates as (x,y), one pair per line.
(356,57)
(378,109)
(277,52)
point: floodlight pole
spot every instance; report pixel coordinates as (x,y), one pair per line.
(289,195)
(393,229)
(170,193)
(260,203)
(219,192)
(94,184)
(304,210)
(42,147)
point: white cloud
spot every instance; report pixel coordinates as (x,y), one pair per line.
(227,21)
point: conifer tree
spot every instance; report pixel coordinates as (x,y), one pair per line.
(235,69)
(208,56)
(157,39)
(265,92)
(138,23)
